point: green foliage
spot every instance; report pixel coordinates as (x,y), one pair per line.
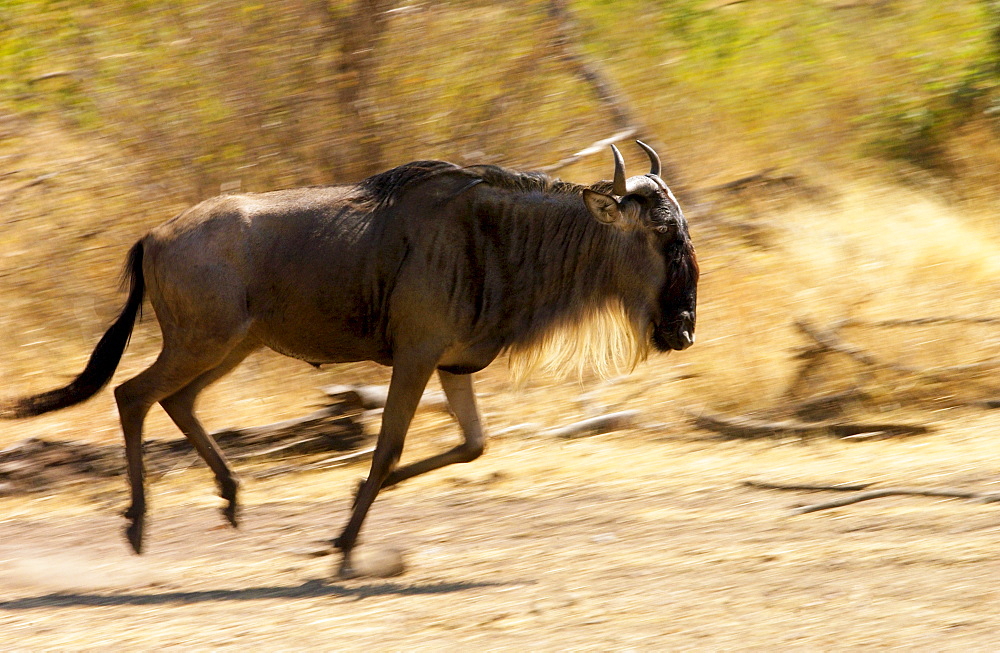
(916,128)
(915,125)
(203,92)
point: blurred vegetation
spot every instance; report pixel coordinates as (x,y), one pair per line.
(114,116)
(200,93)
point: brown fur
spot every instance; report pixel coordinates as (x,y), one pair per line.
(426,267)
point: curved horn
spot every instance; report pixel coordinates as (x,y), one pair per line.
(619,184)
(654,160)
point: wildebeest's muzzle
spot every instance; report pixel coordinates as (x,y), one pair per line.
(675,334)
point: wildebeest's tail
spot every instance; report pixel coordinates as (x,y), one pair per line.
(103,361)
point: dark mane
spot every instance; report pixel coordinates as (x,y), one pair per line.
(527,182)
(381,190)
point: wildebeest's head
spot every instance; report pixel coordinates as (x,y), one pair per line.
(645,203)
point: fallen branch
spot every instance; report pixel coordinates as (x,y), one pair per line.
(326,463)
(985,497)
(564,43)
(598,147)
(828,342)
(948,493)
(924,321)
(56,74)
(39,465)
(305,445)
(808,487)
(824,406)
(564,38)
(764,176)
(371,397)
(746,427)
(596,425)
(330,428)
(34,182)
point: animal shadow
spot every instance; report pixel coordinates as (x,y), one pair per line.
(313,588)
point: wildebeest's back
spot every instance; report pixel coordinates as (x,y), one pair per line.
(315,278)
(419,256)
(300,256)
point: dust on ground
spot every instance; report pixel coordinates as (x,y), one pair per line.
(635,540)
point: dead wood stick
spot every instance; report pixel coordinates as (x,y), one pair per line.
(371,397)
(332,422)
(185,463)
(739,184)
(746,427)
(827,341)
(34,182)
(277,429)
(597,425)
(333,461)
(925,321)
(298,446)
(52,75)
(590,150)
(896,491)
(808,487)
(564,37)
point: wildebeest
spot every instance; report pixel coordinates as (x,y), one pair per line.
(428,266)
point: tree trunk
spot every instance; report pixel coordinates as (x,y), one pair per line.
(359,33)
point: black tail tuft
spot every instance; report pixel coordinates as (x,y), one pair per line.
(103,361)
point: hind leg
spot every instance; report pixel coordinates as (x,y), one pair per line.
(194,344)
(135,397)
(180,407)
(174,369)
(201,304)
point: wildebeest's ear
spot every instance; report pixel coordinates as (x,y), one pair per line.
(603,207)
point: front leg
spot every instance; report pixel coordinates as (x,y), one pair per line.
(409,377)
(462,399)
(136,516)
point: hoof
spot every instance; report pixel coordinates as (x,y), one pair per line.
(347,572)
(228,490)
(230,512)
(133,532)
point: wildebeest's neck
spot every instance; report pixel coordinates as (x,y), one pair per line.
(547,263)
(505,258)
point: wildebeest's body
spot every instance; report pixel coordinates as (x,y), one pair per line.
(425,267)
(329,283)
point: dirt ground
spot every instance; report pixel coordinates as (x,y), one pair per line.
(643,539)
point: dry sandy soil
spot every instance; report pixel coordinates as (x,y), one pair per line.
(644,539)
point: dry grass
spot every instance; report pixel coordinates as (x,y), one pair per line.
(631,539)
(875,253)
(625,540)
(723,96)
(643,539)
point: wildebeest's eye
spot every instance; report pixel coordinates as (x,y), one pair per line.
(664,222)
